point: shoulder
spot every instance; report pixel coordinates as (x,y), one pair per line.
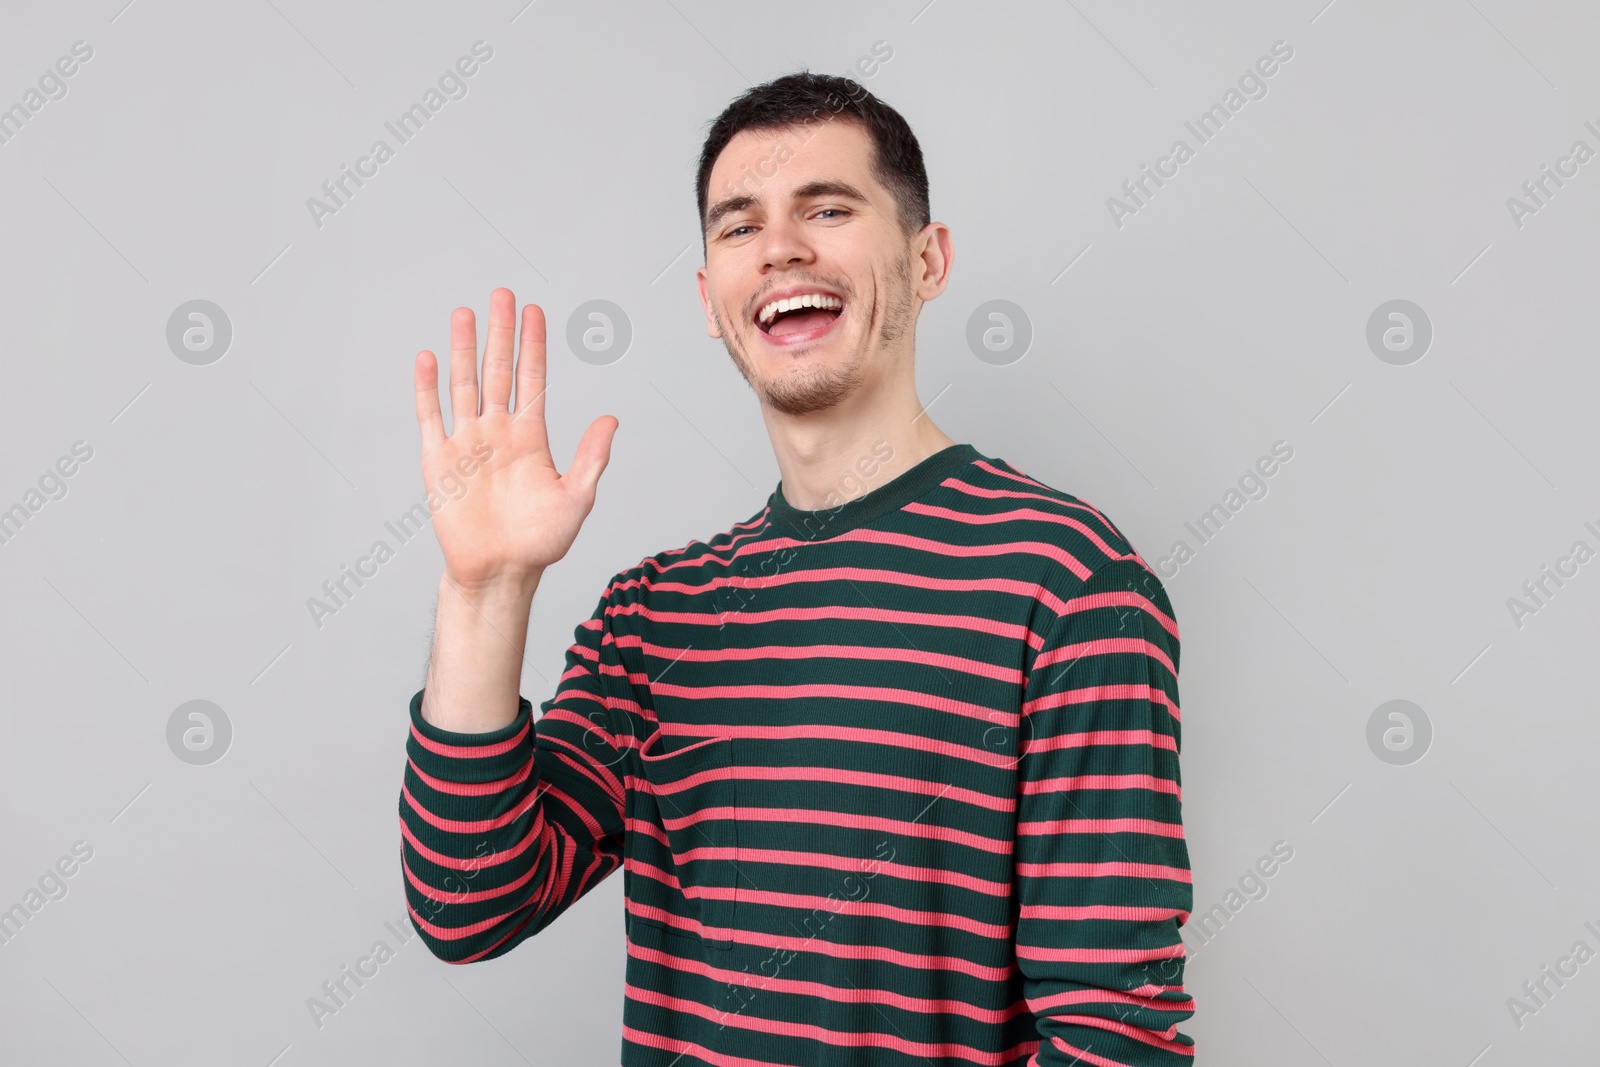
(1086,538)
(1090,562)
(695,564)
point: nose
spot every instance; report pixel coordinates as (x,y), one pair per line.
(784,244)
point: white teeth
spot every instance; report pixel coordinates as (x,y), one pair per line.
(813,300)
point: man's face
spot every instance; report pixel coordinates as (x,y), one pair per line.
(797,213)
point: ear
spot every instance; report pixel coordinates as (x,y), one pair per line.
(705,300)
(935,255)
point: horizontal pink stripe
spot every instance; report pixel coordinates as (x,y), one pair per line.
(825,861)
(469,826)
(847,819)
(1096,693)
(470,751)
(1026,514)
(881,575)
(818,946)
(763,982)
(1046,549)
(828,613)
(455,933)
(1137,998)
(1104,646)
(639,826)
(846,733)
(1159,1039)
(912,916)
(1104,870)
(1113,912)
(1104,781)
(471,789)
(1098,955)
(961,664)
(895,782)
(638,866)
(585,764)
(1102,826)
(1127,599)
(870,693)
(1089,738)
(690,1048)
(959,551)
(1013,494)
(472,896)
(841,1038)
(492,859)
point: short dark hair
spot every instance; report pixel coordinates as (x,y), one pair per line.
(802,98)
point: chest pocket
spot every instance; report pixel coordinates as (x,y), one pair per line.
(691,790)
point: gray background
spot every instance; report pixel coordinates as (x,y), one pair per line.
(1229,313)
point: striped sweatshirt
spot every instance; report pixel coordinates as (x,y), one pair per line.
(894,782)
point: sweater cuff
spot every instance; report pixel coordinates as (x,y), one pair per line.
(471,758)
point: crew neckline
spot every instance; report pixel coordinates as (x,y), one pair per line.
(827,523)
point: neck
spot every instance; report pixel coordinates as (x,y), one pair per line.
(830,457)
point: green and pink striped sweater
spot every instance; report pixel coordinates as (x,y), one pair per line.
(892,783)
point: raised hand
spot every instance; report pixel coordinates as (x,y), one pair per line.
(517,513)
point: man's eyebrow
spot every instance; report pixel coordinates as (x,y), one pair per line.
(809,191)
(728,206)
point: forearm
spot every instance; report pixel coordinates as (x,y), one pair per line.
(475,668)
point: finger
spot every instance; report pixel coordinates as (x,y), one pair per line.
(463,368)
(592,456)
(531,381)
(498,351)
(429,418)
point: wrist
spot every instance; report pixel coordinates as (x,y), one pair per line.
(509,587)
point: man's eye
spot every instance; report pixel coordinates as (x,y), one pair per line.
(832,210)
(735,231)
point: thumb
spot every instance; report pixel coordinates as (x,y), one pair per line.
(592,456)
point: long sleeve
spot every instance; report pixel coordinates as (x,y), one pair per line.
(503,831)
(1102,868)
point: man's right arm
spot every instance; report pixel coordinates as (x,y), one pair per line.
(505,828)
(504,822)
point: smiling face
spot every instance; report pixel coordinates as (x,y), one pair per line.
(809,280)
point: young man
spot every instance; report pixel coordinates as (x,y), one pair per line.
(891,767)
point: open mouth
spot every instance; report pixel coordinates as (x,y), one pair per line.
(799,318)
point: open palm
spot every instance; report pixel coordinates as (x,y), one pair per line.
(516,514)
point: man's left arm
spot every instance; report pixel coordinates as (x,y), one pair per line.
(1102,869)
